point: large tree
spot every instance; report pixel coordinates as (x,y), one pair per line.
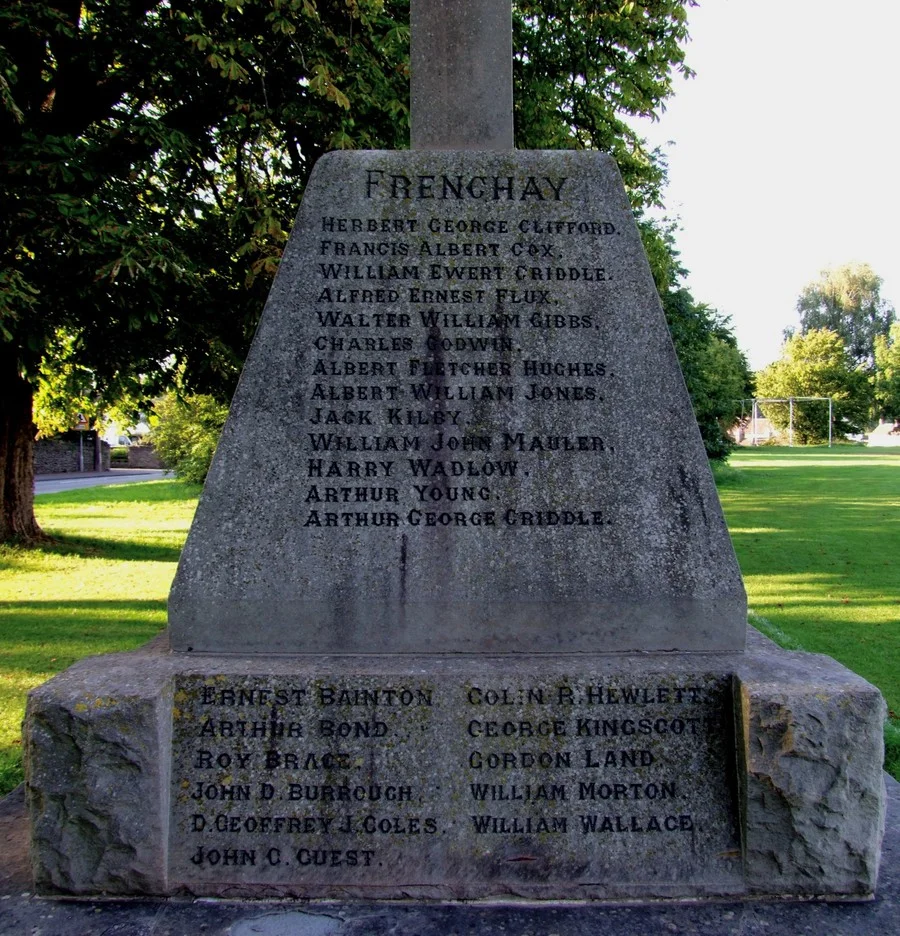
(715,370)
(887,375)
(583,66)
(816,364)
(152,153)
(847,300)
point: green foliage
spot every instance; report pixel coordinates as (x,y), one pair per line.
(725,381)
(63,392)
(185,432)
(67,389)
(581,67)
(152,155)
(848,301)
(887,374)
(715,370)
(152,158)
(658,238)
(816,363)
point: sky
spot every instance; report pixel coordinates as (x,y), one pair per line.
(784,155)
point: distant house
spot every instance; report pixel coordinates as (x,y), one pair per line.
(885,433)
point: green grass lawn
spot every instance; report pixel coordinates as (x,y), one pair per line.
(817,534)
(101,587)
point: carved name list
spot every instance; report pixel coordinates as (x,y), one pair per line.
(341,780)
(422,331)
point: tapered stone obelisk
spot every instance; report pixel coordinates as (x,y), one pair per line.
(445,391)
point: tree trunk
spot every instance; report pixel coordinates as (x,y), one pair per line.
(17,522)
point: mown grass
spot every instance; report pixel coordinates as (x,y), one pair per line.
(817,535)
(102,586)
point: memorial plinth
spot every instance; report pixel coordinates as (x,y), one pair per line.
(578,777)
(459,616)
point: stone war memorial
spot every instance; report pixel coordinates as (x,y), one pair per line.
(459,616)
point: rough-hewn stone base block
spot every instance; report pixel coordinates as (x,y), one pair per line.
(569,777)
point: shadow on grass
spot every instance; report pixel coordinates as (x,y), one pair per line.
(820,513)
(38,637)
(78,546)
(768,474)
(98,547)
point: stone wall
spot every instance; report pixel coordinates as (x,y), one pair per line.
(143,456)
(52,456)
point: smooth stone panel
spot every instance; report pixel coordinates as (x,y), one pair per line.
(584,784)
(461,82)
(461,428)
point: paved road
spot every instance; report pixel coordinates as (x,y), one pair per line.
(54,483)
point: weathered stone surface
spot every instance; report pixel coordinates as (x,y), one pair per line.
(461,81)
(24,912)
(97,754)
(461,427)
(414,772)
(813,807)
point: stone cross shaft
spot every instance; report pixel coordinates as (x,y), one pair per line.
(461,75)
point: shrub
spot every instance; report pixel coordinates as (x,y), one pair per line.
(185,431)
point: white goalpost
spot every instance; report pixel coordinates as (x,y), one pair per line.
(754,435)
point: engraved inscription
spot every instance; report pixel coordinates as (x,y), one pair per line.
(422,320)
(314,779)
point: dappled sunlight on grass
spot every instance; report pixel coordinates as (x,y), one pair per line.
(101,587)
(118,522)
(90,578)
(24,561)
(817,535)
(839,607)
(97,615)
(145,492)
(129,552)
(20,681)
